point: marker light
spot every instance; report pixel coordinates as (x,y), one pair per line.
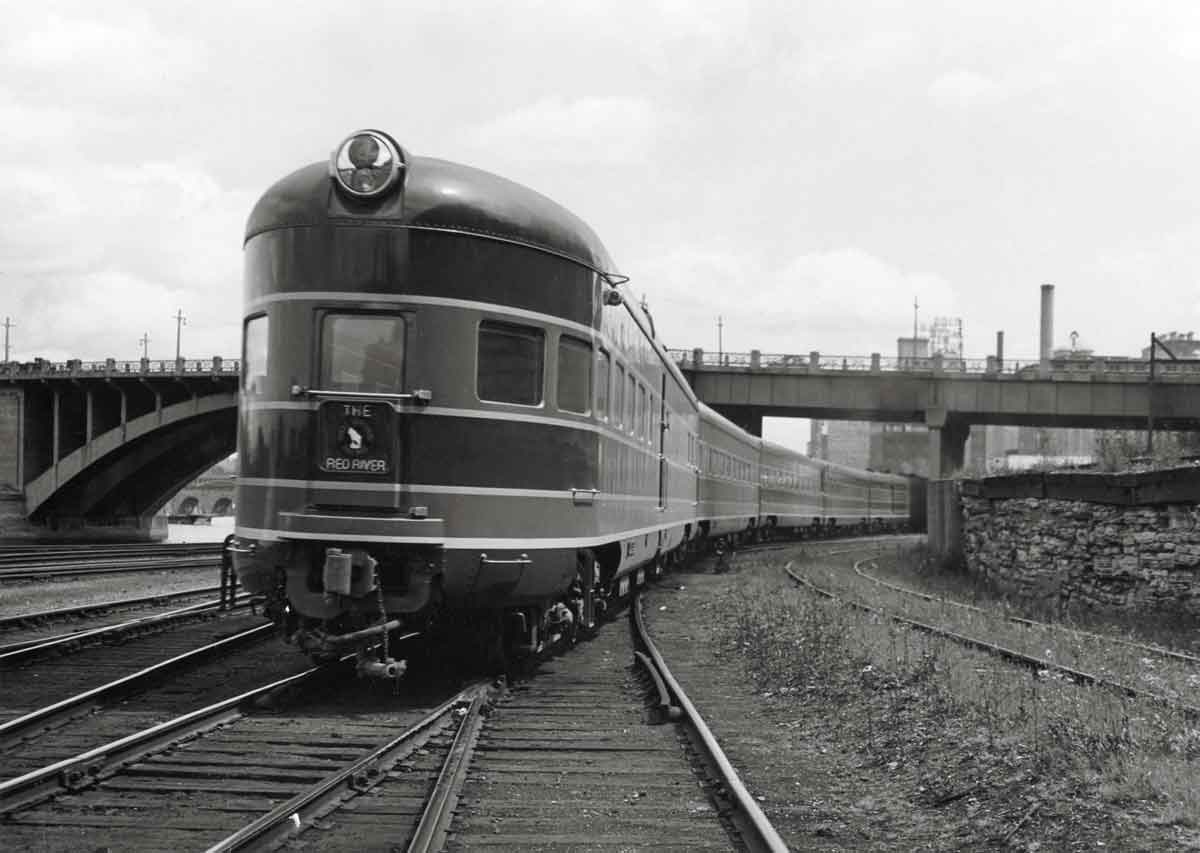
(366,164)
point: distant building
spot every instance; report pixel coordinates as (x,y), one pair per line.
(910,350)
(1180,345)
(898,448)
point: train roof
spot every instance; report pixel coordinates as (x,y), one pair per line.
(436,195)
(876,476)
(872,476)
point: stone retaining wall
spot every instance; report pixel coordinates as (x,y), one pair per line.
(1073,554)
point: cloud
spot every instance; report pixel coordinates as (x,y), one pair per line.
(862,57)
(842,301)
(88,57)
(608,130)
(963,88)
(94,255)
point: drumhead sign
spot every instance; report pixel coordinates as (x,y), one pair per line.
(357,438)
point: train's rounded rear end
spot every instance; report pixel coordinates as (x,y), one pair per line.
(412,428)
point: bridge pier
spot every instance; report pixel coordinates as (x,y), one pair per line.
(947,443)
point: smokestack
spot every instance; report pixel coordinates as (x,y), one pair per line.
(1000,348)
(1047,342)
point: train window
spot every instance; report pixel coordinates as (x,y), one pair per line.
(631,405)
(603,369)
(254,355)
(511,363)
(639,408)
(363,352)
(574,375)
(646,415)
(618,409)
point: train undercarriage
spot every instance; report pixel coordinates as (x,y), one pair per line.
(332,601)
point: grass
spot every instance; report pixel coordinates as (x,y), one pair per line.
(1055,642)
(911,690)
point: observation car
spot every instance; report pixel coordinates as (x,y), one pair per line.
(455,418)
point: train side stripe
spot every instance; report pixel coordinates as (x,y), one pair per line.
(415,299)
(406,488)
(515,543)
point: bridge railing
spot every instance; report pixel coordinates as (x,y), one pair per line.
(941,364)
(111,367)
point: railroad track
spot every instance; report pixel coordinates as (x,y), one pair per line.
(39,643)
(25,553)
(1031,662)
(565,757)
(1156,651)
(60,705)
(30,564)
(17,621)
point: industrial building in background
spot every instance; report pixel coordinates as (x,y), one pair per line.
(903,448)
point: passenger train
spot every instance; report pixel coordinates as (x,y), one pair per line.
(454,413)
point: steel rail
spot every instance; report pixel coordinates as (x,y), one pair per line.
(20,619)
(664,710)
(10,552)
(107,568)
(12,653)
(430,833)
(757,832)
(1030,662)
(1030,623)
(297,813)
(21,728)
(14,559)
(87,768)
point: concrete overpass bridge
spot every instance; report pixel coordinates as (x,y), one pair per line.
(947,395)
(94,449)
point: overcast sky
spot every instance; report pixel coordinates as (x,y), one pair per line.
(801,169)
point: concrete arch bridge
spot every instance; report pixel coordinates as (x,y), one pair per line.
(95,449)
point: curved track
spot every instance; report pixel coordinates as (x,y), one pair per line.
(1031,662)
(1157,651)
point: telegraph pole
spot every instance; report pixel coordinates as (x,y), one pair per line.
(8,324)
(180,322)
(144,340)
(720,342)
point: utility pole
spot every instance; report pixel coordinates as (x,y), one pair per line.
(1155,343)
(915,306)
(180,322)
(144,340)
(720,342)
(8,324)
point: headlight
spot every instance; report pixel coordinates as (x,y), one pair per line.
(366,164)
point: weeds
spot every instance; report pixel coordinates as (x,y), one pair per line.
(911,689)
